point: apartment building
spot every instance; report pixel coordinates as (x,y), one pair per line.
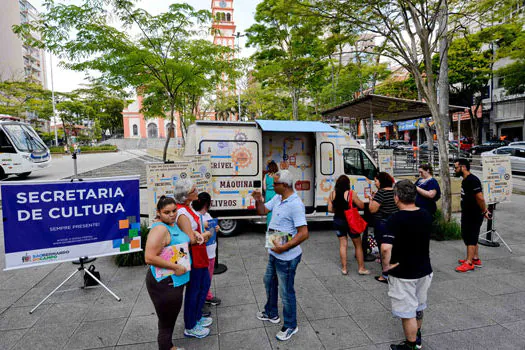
(17,60)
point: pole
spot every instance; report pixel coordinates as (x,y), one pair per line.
(238,85)
(53,99)
(417,154)
(459,135)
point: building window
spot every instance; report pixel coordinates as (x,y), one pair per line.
(135,130)
(153,131)
(228,17)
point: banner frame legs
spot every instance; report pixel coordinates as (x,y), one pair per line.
(80,268)
(486,238)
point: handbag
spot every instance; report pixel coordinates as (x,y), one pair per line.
(90,281)
(356,223)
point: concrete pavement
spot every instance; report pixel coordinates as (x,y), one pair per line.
(484,309)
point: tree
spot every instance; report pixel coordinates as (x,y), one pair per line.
(291,55)
(72,112)
(510,41)
(412,32)
(160,55)
(22,99)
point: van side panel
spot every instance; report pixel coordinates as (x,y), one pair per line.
(236,163)
(330,164)
(293,152)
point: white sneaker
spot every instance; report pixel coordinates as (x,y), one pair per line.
(286,334)
(262,316)
(205,321)
(197,332)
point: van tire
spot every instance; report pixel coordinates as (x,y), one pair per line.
(2,173)
(24,175)
(229,227)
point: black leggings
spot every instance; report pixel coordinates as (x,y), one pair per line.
(167,301)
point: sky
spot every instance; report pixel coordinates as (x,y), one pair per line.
(244,10)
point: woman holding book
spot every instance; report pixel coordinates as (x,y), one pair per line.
(195,325)
(165,280)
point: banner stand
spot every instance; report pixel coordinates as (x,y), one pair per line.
(487,238)
(81,261)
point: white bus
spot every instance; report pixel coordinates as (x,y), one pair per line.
(22,151)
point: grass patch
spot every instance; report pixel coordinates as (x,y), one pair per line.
(136,258)
(445,230)
(99,148)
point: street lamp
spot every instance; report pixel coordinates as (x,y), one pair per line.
(239,35)
(53,98)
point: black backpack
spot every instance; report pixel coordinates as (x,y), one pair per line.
(88,280)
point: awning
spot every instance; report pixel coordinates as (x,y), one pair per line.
(294,126)
(383,108)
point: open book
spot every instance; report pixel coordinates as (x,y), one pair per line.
(177,254)
(282,237)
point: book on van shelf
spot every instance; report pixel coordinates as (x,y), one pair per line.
(177,254)
(283,237)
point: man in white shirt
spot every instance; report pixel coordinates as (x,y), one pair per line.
(288,215)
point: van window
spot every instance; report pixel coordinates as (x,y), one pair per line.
(356,162)
(231,157)
(5,144)
(327,158)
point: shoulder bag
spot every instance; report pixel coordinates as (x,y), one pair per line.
(356,223)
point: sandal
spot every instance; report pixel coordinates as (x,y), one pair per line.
(344,272)
(364,272)
(378,279)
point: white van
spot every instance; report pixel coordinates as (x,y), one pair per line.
(22,151)
(314,152)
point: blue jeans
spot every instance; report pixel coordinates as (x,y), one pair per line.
(195,297)
(281,273)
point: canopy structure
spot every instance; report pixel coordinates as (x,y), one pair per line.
(382,108)
(294,126)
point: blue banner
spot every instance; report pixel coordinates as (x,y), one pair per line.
(60,221)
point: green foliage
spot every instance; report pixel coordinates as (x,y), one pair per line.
(99,148)
(398,88)
(137,258)
(20,98)
(445,230)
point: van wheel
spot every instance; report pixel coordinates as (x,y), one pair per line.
(2,174)
(23,175)
(229,227)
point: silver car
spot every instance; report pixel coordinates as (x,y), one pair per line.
(517,156)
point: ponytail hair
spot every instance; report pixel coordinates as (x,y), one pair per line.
(203,201)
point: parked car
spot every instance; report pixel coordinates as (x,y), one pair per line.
(517,156)
(466,145)
(452,151)
(395,144)
(488,146)
(517,144)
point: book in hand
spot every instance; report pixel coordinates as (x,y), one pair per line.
(213,224)
(282,238)
(178,254)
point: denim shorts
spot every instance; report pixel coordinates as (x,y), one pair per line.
(342,230)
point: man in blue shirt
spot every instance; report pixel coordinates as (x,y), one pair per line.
(288,216)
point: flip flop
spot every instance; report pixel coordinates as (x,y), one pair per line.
(377,278)
(364,272)
(344,272)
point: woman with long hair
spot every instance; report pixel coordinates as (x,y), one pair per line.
(338,202)
(268,189)
(382,205)
(166,292)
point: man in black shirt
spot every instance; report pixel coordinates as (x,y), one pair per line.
(473,209)
(405,252)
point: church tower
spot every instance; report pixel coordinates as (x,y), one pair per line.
(223,25)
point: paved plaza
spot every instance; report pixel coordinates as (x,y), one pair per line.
(484,309)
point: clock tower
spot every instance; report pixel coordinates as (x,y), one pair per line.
(223,25)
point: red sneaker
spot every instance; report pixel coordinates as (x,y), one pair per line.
(476,262)
(465,267)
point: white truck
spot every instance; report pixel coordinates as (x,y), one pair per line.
(22,151)
(314,152)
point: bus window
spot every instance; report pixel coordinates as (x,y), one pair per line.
(356,162)
(5,144)
(24,138)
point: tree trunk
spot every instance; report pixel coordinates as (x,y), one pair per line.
(295,104)
(443,122)
(168,137)
(430,141)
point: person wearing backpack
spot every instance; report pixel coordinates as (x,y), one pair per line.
(338,202)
